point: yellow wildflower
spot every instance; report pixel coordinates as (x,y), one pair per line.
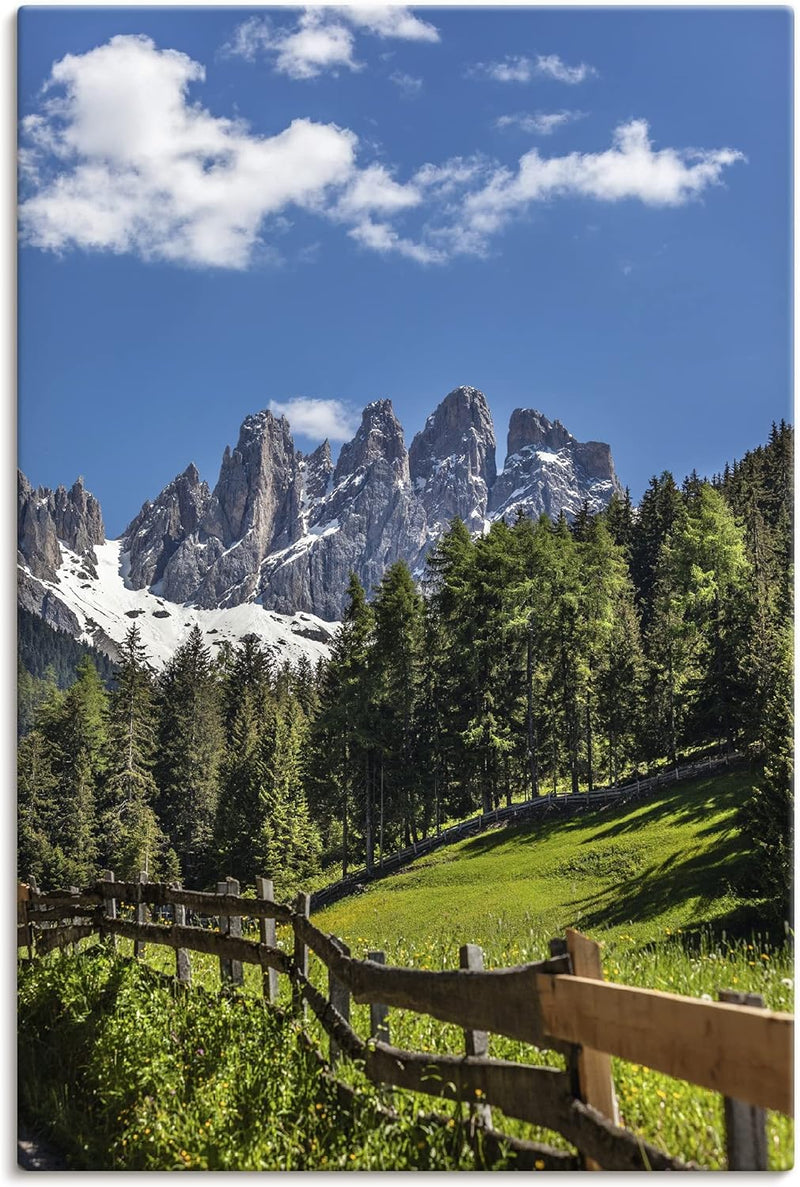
(539,1164)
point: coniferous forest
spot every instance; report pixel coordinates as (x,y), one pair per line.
(542,656)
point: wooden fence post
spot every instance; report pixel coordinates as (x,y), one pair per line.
(378,1013)
(265,890)
(302,906)
(476,1042)
(594,1067)
(109,909)
(23,919)
(745,1125)
(72,922)
(183,965)
(34,890)
(230,971)
(139,914)
(339,997)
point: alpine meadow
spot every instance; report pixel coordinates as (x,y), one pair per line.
(397,801)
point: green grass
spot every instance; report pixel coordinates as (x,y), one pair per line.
(655,883)
(122,1071)
(669,862)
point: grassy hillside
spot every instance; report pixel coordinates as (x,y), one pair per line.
(655,883)
(645,871)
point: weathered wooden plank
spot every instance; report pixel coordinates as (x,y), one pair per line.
(64,898)
(205,903)
(302,907)
(110,908)
(183,964)
(739,1051)
(476,1042)
(503,1001)
(538,1095)
(53,914)
(200,939)
(265,891)
(745,1125)
(57,937)
(378,1011)
(140,913)
(339,996)
(230,971)
(595,1080)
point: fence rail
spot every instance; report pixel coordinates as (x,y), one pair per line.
(740,1050)
(542,805)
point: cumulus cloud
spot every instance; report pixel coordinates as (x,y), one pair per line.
(374,189)
(390,21)
(383,238)
(120,160)
(318,419)
(323,38)
(314,44)
(539,123)
(518,68)
(630,169)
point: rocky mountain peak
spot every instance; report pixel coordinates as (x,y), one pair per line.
(529,427)
(45,518)
(319,468)
(548,470)
(452,460)
(379,438)
(153,537)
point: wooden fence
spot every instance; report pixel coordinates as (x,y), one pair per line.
(541,807)
(734,1046)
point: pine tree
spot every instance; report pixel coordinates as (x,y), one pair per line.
(189,753)
(132,839)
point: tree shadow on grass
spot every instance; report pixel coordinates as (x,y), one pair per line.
(667,884)
(685,803)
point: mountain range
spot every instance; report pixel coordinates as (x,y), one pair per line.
(271,547)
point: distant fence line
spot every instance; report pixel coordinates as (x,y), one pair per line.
(733,1046)
(542,805)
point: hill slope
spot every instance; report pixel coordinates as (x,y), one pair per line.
(666,863)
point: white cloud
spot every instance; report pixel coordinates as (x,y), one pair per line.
(119,159)
(390,21)
(406,82)
(539,123)
(375,190)
(518,68)
(141,169)
(630,169)
(383,238)
(314,45)
(323,39)
(513,68)
(551,66)
(318,418)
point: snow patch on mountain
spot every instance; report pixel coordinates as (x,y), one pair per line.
(105,607)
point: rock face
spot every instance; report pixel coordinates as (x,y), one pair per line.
(285,529)
(159,529)
(452,462)
(45,517)
(547,470)
(369,519)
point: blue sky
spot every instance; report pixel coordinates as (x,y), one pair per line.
(581,211)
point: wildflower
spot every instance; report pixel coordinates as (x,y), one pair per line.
(706,997)
(539,1164)
(764,956)
(787,981)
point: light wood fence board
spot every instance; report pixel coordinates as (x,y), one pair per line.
(739,1051)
